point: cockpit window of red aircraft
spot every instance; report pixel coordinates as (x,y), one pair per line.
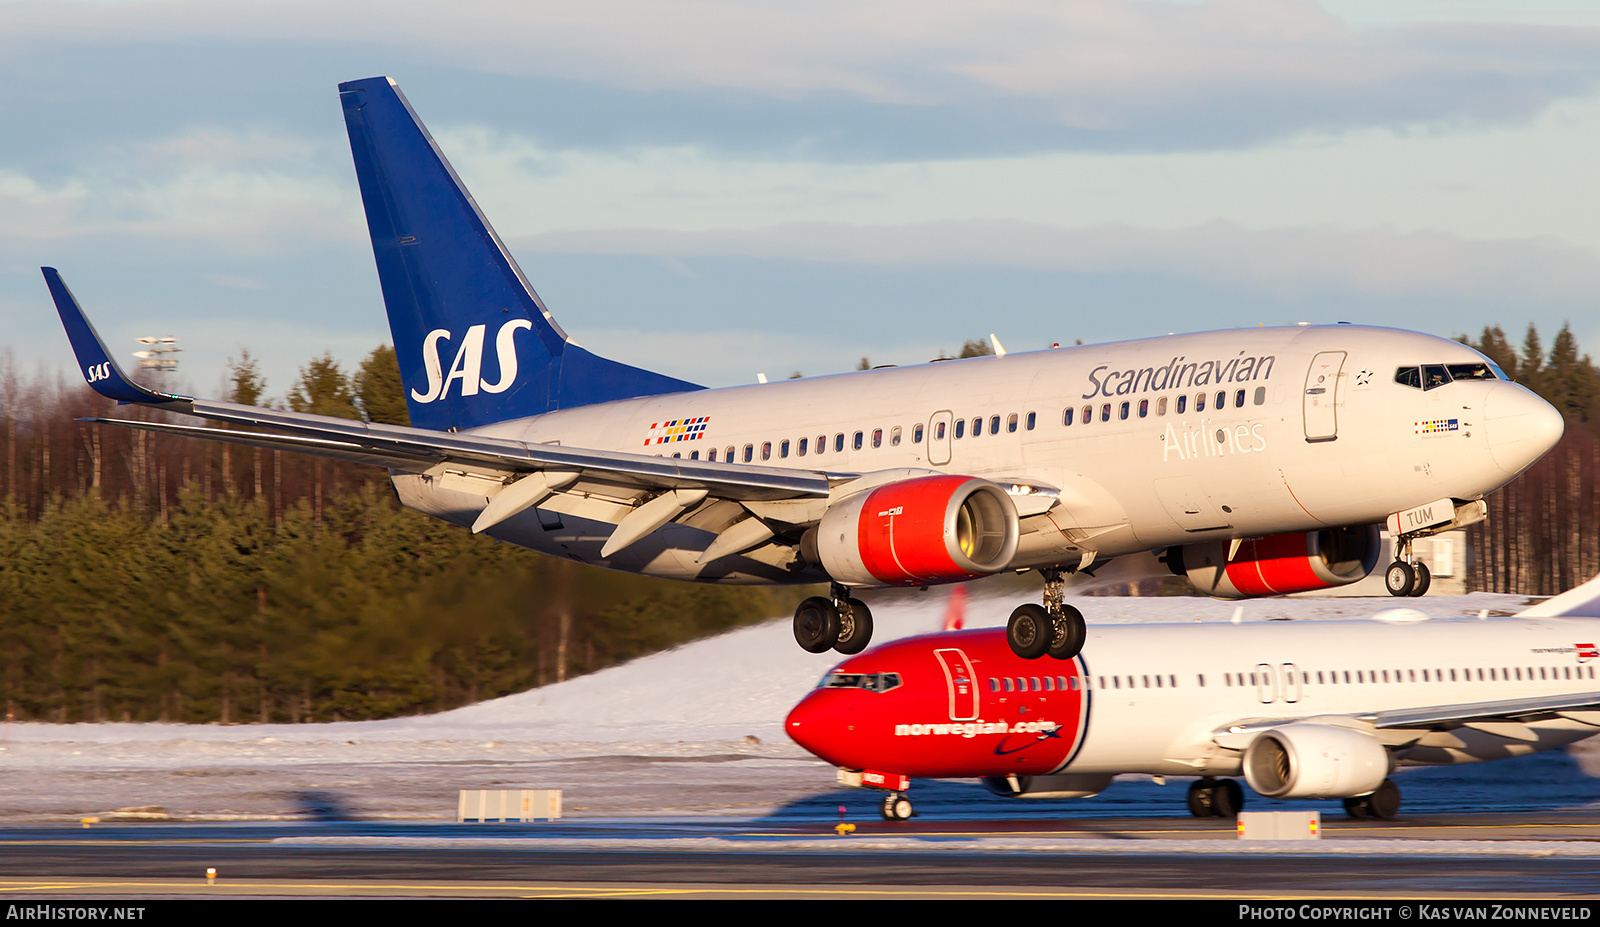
(872,682)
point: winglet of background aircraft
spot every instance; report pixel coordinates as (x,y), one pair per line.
(99,370)
(453,290)
(1578,602)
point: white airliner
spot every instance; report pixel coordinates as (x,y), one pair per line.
(1302,709)
(1260,460)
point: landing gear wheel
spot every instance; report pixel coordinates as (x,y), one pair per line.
(896,807)
(1029,631)
(1384,804)
(1400,578)
(855,627)
(816,624)
(1227,798)
(1358,807)
(1067,634)
(1200,797)
(1424,578)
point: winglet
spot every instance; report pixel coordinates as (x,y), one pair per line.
(1578,602)
(99,370)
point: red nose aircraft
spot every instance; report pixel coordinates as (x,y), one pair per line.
(1302,709)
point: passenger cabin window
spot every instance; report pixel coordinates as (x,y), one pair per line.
(1066,416)
(977,426)
(711,455)
(822,443)
(916,434)
(1105,412)
(838,443)
(783,448)
(994,424)
(766,450)
(800,449)
(749,452)
(855,442)
(1033,419)
(1161,406)
(1261,395)
(877,437)
(961,427)
(1011,422)
(1199,402)
(894,436)
(1238,399)
(1183,401)
(727,454)
(1122,412)
(938,432)
(1144,408)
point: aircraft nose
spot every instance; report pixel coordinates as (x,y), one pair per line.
(808,725)
(1520,427)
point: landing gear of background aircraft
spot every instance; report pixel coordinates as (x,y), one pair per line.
(896,807)
(1383,804)
(1221,798)
(839,623)
(1055,628)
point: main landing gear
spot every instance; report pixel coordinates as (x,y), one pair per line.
(1219,798)
(1407,576)
(1382,804)
(896,807)
(1055,628)
(838,622)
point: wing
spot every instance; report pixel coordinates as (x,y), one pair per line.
(528,472)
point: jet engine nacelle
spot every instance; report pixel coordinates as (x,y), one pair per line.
(1079,785)
(1280,563)
(1315,761)
(932,529)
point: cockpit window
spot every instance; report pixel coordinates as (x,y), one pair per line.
(1472,372)
(872,682)
(1433,376)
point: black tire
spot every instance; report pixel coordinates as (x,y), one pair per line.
(816,625)
(1201,797)
(1068,635)
(1028,632)
(1423,581)
(896,807)
(1384,804)
(1227,798)
(1357,807)
(1399,578)
(855,632)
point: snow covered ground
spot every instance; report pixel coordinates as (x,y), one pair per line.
(692,731)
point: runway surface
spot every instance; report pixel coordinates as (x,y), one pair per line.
(1504,855)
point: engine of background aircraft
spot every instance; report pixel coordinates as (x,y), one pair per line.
(934,529)
(1281,563)
(1315,761)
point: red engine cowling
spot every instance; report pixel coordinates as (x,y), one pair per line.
(1280,563)
(933,529)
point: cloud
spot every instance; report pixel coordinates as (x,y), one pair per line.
(1112,74)
(1280,261)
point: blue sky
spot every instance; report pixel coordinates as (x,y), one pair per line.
(715,189)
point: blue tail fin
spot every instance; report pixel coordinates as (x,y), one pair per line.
(476,344)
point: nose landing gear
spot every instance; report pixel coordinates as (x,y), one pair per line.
(896,807)
(1407,576)
(1055,628)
